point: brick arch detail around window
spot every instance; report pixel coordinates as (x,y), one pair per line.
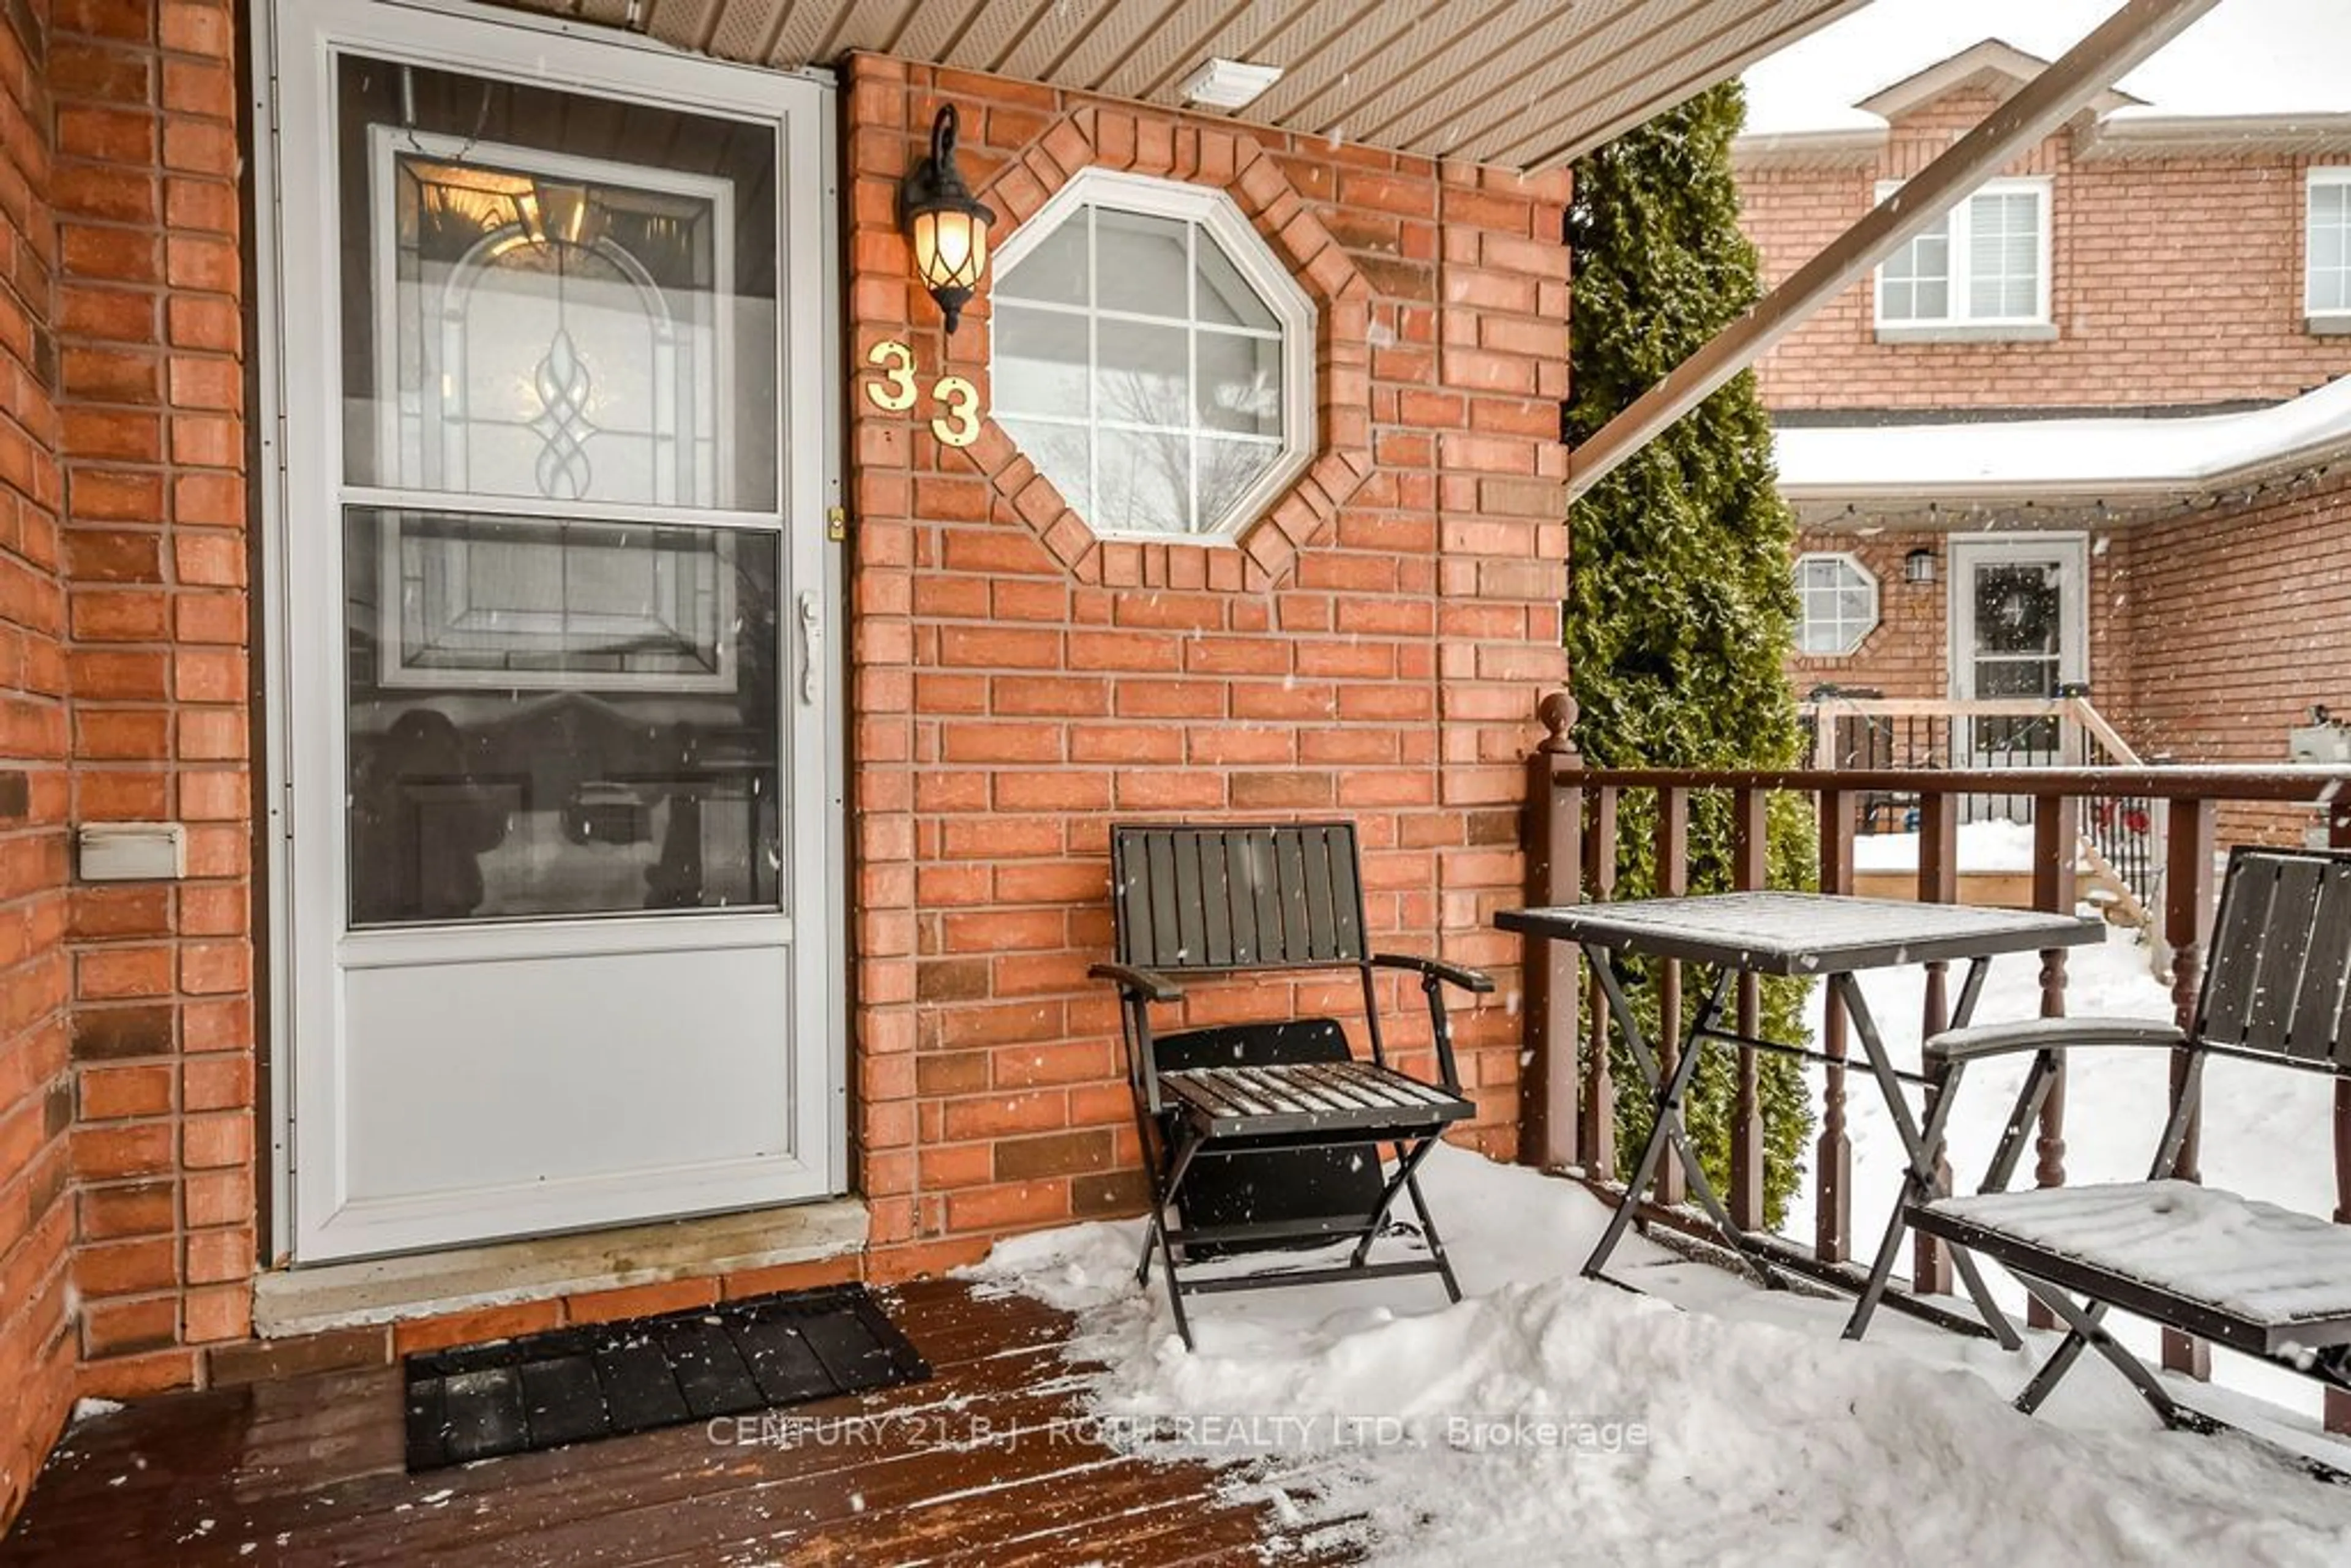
(1264,550)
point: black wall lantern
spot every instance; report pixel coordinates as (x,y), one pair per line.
(1918,566)
(947,226)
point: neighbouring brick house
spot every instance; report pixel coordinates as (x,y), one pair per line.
(2084,429)
(626,731)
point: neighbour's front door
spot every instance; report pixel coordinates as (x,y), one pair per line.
(2019,632)
(554,696)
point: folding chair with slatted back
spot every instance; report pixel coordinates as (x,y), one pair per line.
(2252,1276)
(1284,1103)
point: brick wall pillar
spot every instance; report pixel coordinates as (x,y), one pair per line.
(1373,647)
(151,339)
(36,1100)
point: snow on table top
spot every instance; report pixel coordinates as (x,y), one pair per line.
(2252,1259)
(1804,932)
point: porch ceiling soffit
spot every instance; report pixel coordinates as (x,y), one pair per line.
(2136,30)
(1516,84)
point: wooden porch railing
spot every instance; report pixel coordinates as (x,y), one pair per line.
(1853,728)
(2122,836)
(1572,836)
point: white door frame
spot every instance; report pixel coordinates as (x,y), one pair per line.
(297,274)
(2072,551)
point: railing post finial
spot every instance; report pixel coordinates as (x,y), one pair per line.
(1558,712)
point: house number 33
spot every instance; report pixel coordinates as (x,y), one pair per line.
(894,391)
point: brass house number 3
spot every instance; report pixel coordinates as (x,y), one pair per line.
(894,391)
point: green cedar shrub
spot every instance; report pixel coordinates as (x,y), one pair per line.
(1681,606)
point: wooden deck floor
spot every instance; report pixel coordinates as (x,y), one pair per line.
(310,1471)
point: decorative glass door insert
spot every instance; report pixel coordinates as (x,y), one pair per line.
(557,713)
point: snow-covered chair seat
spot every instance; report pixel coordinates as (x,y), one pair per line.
(2242,1273)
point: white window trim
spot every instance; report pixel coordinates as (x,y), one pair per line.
(1962,553)
(1958,326)
(1255,259)
(2336,320)
(1877,603)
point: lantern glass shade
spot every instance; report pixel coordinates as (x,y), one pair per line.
(1918,566)
(950,249)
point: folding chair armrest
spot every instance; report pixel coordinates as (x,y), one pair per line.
(1148,984)
(2049,1034)
(1476,981)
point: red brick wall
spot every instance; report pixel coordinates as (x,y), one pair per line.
(1375,649)
(2172,281)
(1908,655)
(1904,656)
(152,329)
(2236,625)
(36,1350)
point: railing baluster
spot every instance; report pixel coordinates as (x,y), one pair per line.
(1748,869)
(1599,1132)
(1673,880)
(1554,876)
(1939,883)
(2187,925)
(2057,833)
(2338,1404)
(1833,1189)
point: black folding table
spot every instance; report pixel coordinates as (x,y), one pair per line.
(1805,935)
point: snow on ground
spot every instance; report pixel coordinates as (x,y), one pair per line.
(2268,1132)
(1548,1418)
(1998,845)
(1558,1419)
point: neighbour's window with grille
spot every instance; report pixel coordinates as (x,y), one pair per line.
(1153,357)
(1837,604)
(2326,266)
(1983,265)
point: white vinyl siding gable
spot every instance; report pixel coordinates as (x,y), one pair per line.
(1983,267)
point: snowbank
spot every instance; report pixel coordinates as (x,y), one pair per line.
(1552,1420)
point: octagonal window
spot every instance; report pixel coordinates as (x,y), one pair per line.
(1839,603)
(1153,357)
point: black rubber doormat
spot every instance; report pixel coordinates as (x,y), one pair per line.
(577,1385)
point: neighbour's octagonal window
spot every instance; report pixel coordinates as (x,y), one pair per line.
(1151,357)
(1839,600)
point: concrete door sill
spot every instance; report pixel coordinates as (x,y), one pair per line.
(288,1301)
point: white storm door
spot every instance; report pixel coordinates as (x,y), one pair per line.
(555,712)
(2019,630)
